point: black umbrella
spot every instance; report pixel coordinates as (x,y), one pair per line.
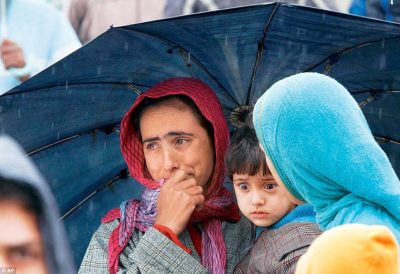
(67,117)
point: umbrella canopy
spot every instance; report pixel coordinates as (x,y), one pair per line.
(67,117)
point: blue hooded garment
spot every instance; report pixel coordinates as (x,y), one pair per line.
(319,142)
(17,168)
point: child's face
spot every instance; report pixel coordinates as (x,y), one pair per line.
(260,198)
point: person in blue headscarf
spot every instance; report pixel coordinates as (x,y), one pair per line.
(319,146)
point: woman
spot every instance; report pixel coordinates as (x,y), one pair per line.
(319,146)
(174,140)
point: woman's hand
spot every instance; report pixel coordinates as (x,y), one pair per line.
(178,198)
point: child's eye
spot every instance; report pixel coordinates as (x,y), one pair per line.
(243,186)
(270,186)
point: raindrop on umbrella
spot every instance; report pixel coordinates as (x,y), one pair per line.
(382,62)
(99,70)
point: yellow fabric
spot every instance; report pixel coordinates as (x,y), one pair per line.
(352,249)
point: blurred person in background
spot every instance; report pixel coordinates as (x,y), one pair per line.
(352,248)
(93,17)
(183,7)
(32,241)
(380,9)
(59,4)
(33,36)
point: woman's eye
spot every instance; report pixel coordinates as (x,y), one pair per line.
(270,186)
(151,146)
(181,141)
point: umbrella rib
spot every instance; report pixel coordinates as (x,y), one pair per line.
(260,49)
(368,90)
(53,144)
(366,101)
(131,86)
(66,139)
(384,140)
(334,57)
(135,89)
(121,175)
(374,96)
(177,46)
(378,138)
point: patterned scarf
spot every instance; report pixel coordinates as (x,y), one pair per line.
(219,205)
(137,214)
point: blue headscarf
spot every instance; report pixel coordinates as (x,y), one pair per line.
(319,142)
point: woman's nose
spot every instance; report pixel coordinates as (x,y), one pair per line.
(170,159)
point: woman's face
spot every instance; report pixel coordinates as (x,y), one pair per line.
(173,139)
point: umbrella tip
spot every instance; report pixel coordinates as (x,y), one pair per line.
(241,115)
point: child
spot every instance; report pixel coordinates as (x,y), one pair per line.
(319,147)
(285,229)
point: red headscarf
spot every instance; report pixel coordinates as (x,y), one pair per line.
(219,204)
